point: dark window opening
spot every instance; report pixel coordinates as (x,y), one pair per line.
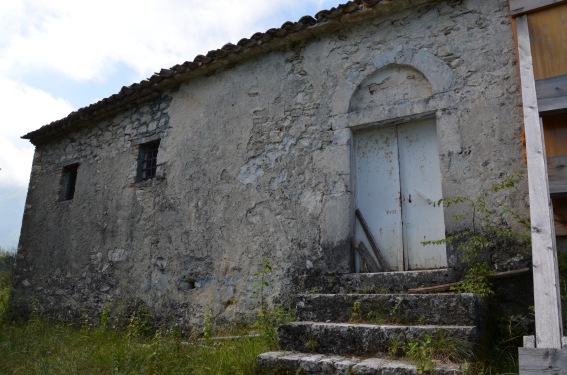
(147,161)
(68,182)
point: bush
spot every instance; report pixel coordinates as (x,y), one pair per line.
(7,260)
(489,229)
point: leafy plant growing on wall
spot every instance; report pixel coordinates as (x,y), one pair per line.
(268,318)
(488,227)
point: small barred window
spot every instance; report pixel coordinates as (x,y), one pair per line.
(147,161)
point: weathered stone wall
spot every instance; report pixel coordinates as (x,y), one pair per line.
(255,163)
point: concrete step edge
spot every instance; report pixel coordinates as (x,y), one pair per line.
(337,364)
(465,309)
(401,295)
(371,339)
(366,325)
(386,282)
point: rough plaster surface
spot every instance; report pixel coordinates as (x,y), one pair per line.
(255,163)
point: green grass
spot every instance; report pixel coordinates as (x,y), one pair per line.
(38,347)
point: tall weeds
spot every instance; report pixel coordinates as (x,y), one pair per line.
(38,347)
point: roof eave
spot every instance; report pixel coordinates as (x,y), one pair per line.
(258,44)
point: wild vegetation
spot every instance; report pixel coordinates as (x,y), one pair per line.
(488,229)
(498,353)
(141,347)
(430,351)
(39,347)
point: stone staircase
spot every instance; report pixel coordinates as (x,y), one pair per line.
(361,323)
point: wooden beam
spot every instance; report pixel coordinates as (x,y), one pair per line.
(509,274)
(372,241)
(365,254)
(534,361)
(442,288)
(447,287)
(551,87)
(552,105)
(549,327)
(519,7)
(547,37)
(552,93)
(529,341)
(560,214)
(557,172)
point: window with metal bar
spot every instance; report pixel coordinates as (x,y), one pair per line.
(147,161)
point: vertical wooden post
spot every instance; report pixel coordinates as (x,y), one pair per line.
(549,327)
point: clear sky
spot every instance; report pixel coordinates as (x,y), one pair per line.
(57,56)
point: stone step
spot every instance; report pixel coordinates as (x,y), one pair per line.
(444,309)
(382,282)
(285,362)
(373,340)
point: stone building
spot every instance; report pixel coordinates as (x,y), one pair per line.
(175,190)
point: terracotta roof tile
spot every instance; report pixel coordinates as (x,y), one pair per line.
(334,13)
(321,16)
(349,7)
(200,59)
(278,33)
(158,82)
(166,73)
(228,47)
(216,54)
(307,21)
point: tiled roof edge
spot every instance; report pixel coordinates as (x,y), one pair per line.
(259,43)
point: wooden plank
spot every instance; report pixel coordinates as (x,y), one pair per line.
(508,274)
(433,289)
(557,174)
(536,361)
(377,254)
(548,33)
(447,287)
(549,327)
(529,342)
(371,262)
(552,87)
(552,104)
(552,93)
(555,134)
(519,7)
(560,214)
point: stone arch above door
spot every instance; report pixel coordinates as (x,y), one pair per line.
(390,85)
(421,64)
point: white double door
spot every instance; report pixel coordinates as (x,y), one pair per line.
(398,185)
